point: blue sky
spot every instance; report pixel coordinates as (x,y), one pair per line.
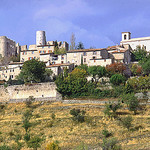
(97,23)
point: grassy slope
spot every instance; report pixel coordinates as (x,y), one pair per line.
(70,134)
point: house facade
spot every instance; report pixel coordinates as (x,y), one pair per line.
(88,56)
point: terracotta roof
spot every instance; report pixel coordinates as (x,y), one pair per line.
(13,63)
(57,65)
(120,51)
(46,53)
(29,50)
(85,50)
(45,45)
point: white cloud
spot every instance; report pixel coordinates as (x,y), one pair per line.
(66,9)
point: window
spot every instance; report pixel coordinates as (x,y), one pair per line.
(94,53)
(49,47)
(62,62)
(32,52)
(125,37)
(84,54)
(62,57)
(94,57)
(11,76)
(84,59)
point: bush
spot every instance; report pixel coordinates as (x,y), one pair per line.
(34,142)
(138,84)
(127,122)
(117,79)
(26,117)
(112,107)
(131,101)
(27,137)
(78,115)
(82,146)
(5,147)
(53,116)
(53,146)
(146,67)
(110,144)
(106,133)
(29,101)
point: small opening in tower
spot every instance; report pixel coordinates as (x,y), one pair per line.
(125,37)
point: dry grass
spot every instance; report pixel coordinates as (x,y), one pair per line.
(70,134)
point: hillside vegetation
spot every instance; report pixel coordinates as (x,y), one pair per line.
(52,122)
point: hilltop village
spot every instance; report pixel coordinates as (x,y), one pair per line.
(44,51)
(94,99)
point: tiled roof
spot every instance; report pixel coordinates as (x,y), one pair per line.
(119,51)
(85,50)
(46,53)
(15,63)
(29,50)
(57,65)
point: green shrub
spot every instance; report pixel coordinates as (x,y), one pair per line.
(34,142)
(5,147)
(106,133)
(110,144)
(138,84)
(78,115)
(111,107)
(27,137)
(29,101)
(82,146)
(131,101)
(52,146)
(53,116)
(127,122)
(117,79)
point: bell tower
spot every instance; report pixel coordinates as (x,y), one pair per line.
(126,36)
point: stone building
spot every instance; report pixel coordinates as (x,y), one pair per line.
(119,54)
(7,47)
(11,71)
(89,56)
(127,41)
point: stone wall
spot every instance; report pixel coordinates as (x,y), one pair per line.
(40,91)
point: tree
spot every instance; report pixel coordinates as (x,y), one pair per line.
(74,85)
(48,74)
(146,67)
(139,53)
(59,51)
(32,71)
(72,42)
(97,72)
(80,45)
(117,79)
(116,68)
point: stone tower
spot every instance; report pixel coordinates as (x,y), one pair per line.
(7,47)
(40,38)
